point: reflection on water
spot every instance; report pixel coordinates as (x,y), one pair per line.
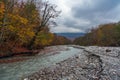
(14,71)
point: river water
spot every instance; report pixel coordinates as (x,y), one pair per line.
(17,70)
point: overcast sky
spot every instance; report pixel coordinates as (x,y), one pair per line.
(80,15)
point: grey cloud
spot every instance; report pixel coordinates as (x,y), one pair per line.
(69,23)
(101,9)
(94,12)
(102,12)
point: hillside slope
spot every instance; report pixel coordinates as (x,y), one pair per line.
(104,35)
(70,36)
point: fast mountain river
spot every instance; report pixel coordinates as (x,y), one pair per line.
(17,70)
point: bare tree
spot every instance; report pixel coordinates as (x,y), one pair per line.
(48,13)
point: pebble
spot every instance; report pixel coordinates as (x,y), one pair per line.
(79,68)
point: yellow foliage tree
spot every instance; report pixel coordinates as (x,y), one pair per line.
(99,36)
(44,39)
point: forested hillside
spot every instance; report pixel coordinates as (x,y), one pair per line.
(24,25)
(104,35)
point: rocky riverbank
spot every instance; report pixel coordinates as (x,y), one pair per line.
(93,63)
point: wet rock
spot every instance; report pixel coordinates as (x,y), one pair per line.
(107,50)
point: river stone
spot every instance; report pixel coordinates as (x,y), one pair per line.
(94,63)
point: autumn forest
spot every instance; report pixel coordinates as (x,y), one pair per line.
(103,35)
(24,26)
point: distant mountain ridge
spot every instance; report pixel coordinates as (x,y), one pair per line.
(70,35)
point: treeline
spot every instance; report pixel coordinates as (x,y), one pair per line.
(25,24)
(60,40)
(104,35)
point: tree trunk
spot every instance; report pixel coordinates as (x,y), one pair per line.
(31,44)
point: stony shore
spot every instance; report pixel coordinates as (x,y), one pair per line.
(94,63)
